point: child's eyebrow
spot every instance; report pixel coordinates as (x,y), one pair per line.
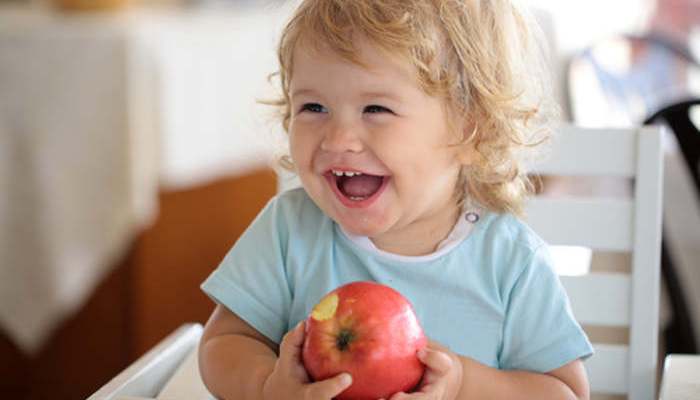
(302,91)
(381,95)
(373,95)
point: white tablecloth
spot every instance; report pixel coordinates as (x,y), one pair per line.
(97,113)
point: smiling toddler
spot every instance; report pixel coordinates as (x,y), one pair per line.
(407,121)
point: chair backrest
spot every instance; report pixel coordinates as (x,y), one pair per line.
(679,119)
(611,224)
(679,253)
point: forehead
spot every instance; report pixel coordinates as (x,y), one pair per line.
(367,62)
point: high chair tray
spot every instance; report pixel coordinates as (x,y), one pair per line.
(167,372)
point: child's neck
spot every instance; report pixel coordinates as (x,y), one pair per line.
(420,237)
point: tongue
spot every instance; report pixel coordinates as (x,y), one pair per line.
(360,186)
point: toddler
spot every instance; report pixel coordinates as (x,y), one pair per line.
(407,123)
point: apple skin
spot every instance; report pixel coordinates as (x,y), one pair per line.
(370,331)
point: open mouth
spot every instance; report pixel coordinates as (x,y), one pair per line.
(356,189)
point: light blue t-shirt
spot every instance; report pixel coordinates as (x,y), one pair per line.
(492,297)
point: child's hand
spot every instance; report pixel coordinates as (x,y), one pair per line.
(443,375)
(289,379)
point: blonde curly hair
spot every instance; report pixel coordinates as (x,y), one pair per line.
(485,58)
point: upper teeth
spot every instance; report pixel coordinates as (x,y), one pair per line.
(346,173)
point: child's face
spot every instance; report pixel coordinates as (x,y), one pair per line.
(376,120)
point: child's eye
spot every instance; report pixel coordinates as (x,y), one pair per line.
(375,109)
(313,107)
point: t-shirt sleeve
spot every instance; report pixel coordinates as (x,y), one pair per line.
(540,331)
(251,281)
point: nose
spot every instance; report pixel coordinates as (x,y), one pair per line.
(342,136)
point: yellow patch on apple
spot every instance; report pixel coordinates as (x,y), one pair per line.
(326,308)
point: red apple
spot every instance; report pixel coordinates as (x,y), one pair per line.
(370,331)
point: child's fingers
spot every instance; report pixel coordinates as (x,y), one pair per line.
(438,361)
(331,387)
(290,347)
(437,346)
(407,396)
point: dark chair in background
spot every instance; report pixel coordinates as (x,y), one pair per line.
(678,118)
(680,333)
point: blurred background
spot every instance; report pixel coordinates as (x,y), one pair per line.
(134,152)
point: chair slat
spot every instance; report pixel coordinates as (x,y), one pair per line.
(600,299)
(607,369)
(599,223)
(645,266)
(588,152)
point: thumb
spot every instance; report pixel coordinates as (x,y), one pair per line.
(290,347)
(436,360)
(330,387)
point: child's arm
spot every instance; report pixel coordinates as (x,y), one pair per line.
(481,382)
(238,362)
(452,377)
(234,358)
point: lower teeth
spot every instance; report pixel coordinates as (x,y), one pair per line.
(355,198)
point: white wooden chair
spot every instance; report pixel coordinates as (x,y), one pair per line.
(605,299)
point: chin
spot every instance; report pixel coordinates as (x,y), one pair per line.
(360,231)
(356,228)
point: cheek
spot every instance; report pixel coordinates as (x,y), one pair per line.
(299,147)
(407,156)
